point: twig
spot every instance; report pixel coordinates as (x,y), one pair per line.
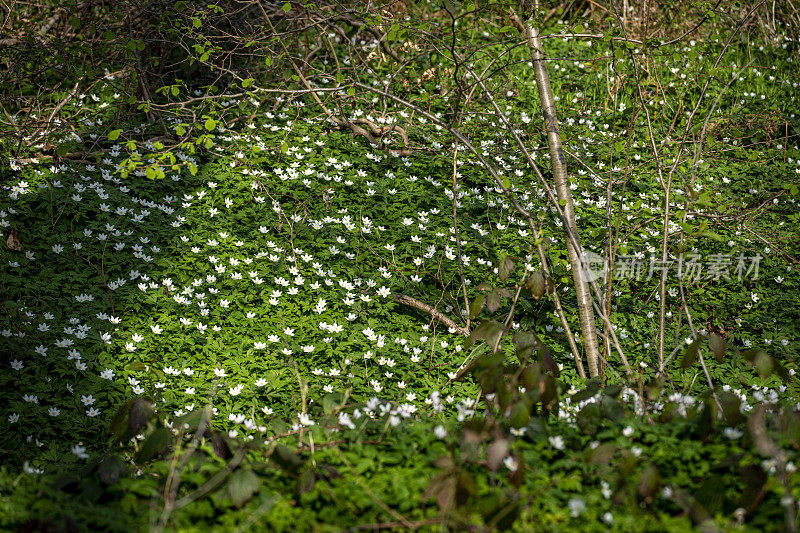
(58,108)
(394,525)
(457,234)
(432,311)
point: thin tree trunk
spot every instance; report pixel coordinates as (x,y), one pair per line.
(559,163)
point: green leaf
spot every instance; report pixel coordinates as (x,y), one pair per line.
(589,419)
(763,364)
(718,345)
(730,407)
(210,124)
(242,485)
(111,469)
(504,267)
(712,493)
(493,300)
(649,482)
(476,306)
(140,414)
(155,443)
(287,7)
(305,481)
(119,424)
(603,453)
(790,426)
(113,135)
(286,458)
(536,284)
(488,331)
(592,388)
(520,415)
(714,236)
(691,353)
(530,376)
(192,169)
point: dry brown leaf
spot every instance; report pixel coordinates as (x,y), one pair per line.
(13,241)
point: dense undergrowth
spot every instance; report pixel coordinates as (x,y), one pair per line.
(205,322)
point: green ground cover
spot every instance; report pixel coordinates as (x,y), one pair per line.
(244,305)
